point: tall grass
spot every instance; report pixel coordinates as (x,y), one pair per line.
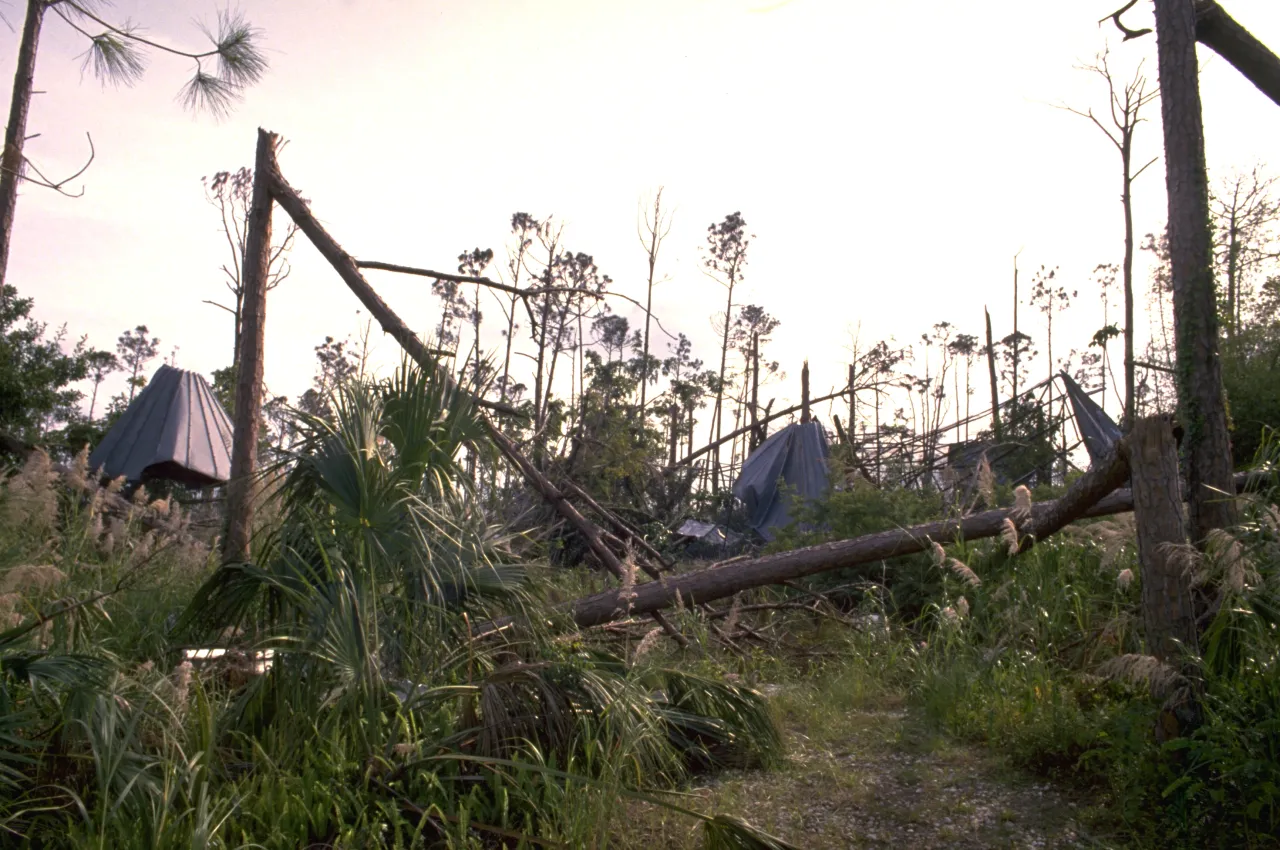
(379,720)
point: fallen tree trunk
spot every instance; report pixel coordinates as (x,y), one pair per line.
(723,581)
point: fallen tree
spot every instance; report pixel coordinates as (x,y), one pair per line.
(719,582)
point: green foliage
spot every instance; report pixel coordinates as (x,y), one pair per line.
(36,374)
(377,719)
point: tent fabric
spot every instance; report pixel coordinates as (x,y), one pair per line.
(798,455)
(1099,432)
(175,429)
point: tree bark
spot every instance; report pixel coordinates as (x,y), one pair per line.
(15,134)
(242,486)
(1199,371)
(1167,606)
(1219,32)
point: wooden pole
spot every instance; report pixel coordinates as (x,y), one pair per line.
(242,486)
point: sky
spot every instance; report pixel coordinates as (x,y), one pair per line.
(890,160)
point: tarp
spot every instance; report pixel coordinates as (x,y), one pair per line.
(1099,432)
(175,429)
(797,454)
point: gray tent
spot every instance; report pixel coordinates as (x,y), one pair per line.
(798,455)
(175,429)
(1099,433)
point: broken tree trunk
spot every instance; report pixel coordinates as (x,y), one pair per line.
(242,486)
(1167,607)
(1219,32)
(995,387)
(723,581)
(804,393)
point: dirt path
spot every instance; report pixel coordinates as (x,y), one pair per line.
(874,778)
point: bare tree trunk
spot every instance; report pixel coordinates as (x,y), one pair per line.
(995,387)
(717,417)
(1126,200)
(15,134)
(242,486)
(1167,606)
(1199,371)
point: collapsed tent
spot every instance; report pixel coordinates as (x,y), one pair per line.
(175,430)
(1097,430)
(797,454)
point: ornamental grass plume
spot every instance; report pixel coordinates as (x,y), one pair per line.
(76,475)
(31,577)
(986,481)
(731,621)
(1230,560)
(961,569)
(647,643)
(30,502)
(1009,534)
(962,607)
(1146,670)
(1021,503)
(1124,579)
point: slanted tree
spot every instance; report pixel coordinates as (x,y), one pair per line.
(1199,372)
(136,350)
(117,54)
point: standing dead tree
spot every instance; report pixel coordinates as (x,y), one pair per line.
(1199,370)
(1124,106)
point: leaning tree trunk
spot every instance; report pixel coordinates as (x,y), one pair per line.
(1219,32)
(241,489)
(1199,372)
(15,133)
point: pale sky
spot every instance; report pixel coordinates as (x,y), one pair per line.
(890,159)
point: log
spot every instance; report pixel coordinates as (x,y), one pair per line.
(243,483)
(719,582)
